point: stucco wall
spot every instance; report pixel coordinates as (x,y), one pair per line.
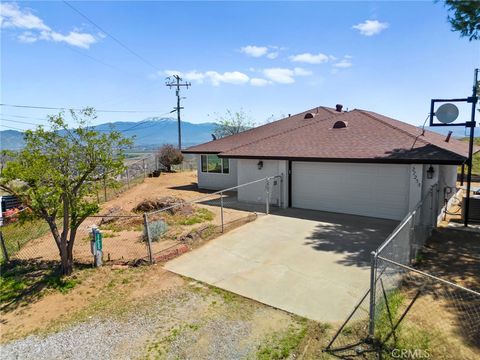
(447,179)
(248,171)
(213,181)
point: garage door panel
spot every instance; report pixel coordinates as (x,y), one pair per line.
(362,189)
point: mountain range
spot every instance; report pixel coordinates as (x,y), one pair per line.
(153,132)
(148,133)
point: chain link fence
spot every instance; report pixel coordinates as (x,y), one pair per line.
(123,240)
(214,213)
(135,173)
(129,237)
(407,312)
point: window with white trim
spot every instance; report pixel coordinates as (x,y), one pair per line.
(213,164)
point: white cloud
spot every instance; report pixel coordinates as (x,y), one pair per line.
(259,82)
(27,37)
(280,75)
(73,38)
(301,72)
(254,51)
(310,58)
(344,63)
(215,78)
(271,52)
(371,27)
(284,75)
(229,77)
(272,55)
(12,16)
(194,76)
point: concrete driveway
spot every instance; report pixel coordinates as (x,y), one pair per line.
(310,263)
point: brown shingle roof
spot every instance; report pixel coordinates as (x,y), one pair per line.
(368,137)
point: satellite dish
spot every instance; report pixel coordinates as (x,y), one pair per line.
(447,113)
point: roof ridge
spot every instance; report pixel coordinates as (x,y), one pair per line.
(310,122)
(270,123)
(415,137)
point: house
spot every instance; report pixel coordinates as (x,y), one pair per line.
(356,162)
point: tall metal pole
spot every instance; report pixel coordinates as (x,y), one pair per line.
(176,83)
(178,114)
(470,147)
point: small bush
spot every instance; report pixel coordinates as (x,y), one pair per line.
(157,229)
(169,155)
(200,216)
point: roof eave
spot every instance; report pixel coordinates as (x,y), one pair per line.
(351,160)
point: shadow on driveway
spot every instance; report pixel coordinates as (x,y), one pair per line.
(355,237)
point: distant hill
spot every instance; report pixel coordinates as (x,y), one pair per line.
(11,140)
(457,131)
(150,132)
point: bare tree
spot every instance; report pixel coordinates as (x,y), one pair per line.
(232,123)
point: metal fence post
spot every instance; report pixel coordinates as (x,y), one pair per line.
(413,246)
(373,290)
(267,203)
(4,248)
(105,188)
(149,239)
(221,208)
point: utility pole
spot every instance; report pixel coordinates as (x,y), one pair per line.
(447,117)
(175,81)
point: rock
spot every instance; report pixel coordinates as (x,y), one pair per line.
(164,202)
(112,215)
(190,238)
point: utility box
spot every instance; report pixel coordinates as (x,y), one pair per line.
(474,208)
(96,247)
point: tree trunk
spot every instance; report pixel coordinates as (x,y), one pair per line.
(66,257)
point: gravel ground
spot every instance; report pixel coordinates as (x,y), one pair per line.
(202,342)
(214,336)
(109,338)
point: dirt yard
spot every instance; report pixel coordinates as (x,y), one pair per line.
(123,239)
(149,313)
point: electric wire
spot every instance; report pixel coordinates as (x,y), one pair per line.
(422,133)
(77,109)
(133,127)
(111,36)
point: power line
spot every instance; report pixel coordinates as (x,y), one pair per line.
(76,109)
(102,130)
(111,36)
(11,127)
(19,122)
(22,117)
(94,59)
(144,121)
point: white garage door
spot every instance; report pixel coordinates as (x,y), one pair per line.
(377,190)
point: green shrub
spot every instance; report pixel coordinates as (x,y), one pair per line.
(201,215)
(157,229)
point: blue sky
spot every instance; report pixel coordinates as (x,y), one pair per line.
(267,58)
